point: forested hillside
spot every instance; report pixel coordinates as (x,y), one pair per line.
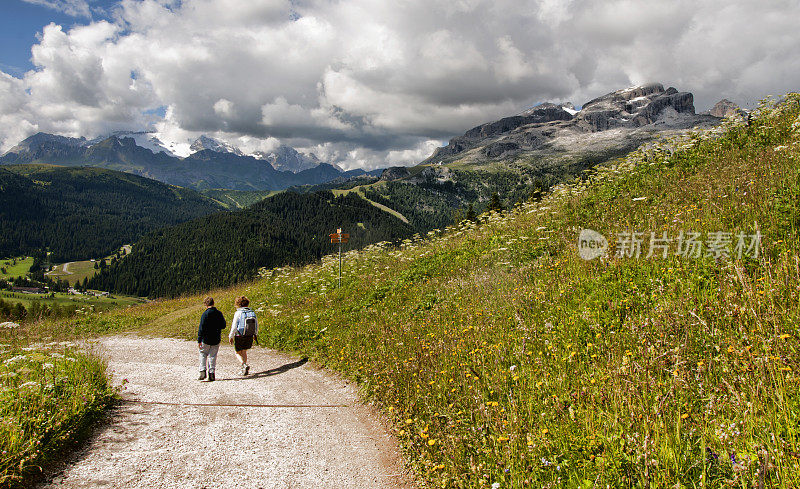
(80,212)
(226,248)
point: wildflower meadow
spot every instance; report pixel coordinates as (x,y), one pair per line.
(504,359)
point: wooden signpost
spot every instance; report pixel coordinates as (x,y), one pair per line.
(340,237)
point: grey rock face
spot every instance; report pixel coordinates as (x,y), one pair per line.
(633,107)
(725,108)
(540,114)
(41,141)
(499,148)
(286,158)
(540,126)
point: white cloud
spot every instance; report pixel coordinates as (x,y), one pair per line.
(360,82)
(74,8)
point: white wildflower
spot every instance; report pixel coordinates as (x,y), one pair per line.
(14,359)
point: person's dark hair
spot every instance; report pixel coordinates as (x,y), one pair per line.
(209,301)
(242,301)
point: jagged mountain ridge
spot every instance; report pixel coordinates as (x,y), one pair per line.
(206,143)
(286,158)
(204,169)
(632,113)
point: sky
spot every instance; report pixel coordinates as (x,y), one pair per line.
(367,83)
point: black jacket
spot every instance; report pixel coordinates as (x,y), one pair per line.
(212,322)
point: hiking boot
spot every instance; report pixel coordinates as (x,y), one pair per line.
(211,376)
(202,375)
(246,369)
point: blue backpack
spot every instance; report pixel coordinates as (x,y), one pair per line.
(247,323)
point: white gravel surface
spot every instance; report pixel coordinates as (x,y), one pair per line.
(291,441)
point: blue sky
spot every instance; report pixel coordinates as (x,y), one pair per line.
(21,21)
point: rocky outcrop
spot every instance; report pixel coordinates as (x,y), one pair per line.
(539,126)
(395,173)
(725,108)
(541,114)
(633,107)
(500,148)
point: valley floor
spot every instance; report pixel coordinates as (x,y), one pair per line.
(302,427)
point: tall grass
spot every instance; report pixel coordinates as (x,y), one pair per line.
(505,360)
(50,393)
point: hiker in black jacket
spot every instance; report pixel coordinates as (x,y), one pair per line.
(212,322)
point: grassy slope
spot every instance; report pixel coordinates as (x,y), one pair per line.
(63,299)
(505,358)
(360,192)
(49,396)
(18,269)
(78,270)
(238,199)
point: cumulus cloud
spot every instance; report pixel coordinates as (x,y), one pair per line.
(365,83)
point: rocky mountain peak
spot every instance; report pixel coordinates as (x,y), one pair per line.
(286,158)
(205,142)
(725,108)
(546,124)
(43,140)
(633,107)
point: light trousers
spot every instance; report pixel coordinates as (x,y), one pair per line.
(208,357)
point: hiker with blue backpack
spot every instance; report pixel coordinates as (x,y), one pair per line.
(244,328)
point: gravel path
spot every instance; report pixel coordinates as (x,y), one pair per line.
(161,437)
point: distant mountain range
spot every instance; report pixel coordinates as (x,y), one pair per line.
(212,164)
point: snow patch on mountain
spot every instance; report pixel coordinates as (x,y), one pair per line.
(204,142)
(286,158)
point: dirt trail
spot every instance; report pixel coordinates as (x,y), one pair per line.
(308,431)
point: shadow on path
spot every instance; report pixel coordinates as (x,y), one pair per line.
(270,372)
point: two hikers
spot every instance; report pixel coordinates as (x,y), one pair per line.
(244,328)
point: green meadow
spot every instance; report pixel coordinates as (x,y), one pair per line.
(15,267)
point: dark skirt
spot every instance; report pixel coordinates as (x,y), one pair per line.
(242,343)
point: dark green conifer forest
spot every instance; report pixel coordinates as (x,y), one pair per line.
(225,248)
(79,212)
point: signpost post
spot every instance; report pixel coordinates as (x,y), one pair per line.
(340,237)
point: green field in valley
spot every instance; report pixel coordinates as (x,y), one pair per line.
(97,303)
(15,267)
(76,271)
